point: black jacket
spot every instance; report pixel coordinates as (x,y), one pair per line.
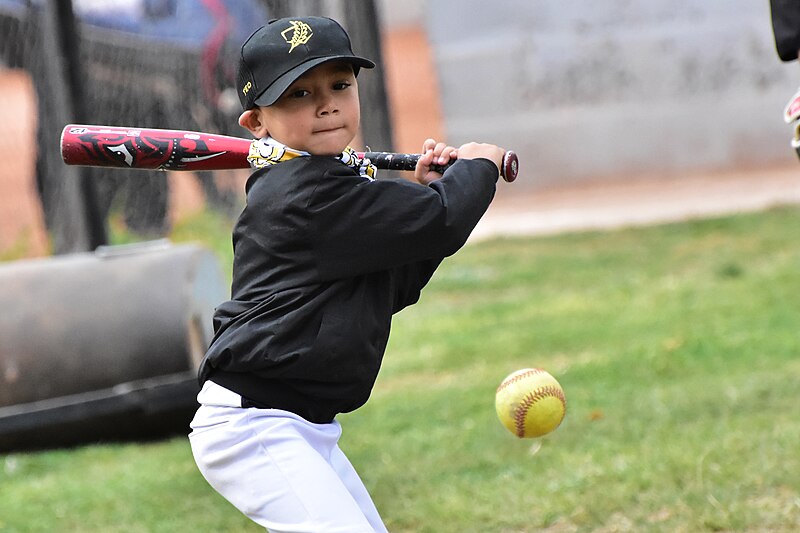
(322,260)
(786,27)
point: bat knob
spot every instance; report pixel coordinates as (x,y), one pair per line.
(510,167)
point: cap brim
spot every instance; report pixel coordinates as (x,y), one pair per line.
(279,86)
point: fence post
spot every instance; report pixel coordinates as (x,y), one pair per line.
(363,25)
(75,220)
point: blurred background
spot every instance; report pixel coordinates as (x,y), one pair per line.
(592,96)
(583,92)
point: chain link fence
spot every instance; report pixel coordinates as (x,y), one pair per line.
(141,63)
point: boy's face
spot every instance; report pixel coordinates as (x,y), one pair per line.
(319,113)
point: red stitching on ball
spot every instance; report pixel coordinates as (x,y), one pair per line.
(532,398)
(521,375)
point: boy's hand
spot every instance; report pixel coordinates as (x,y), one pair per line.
(433,153)
(480,150)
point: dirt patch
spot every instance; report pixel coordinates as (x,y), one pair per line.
(21,219)
(412,88)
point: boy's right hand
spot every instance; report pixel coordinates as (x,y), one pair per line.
(481,150)
(433,153)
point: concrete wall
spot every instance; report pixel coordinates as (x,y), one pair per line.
(598,90)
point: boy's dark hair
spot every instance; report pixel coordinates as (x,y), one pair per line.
(277,54)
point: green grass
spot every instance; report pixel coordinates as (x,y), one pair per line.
(678,348)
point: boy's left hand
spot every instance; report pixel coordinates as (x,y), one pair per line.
(433,153)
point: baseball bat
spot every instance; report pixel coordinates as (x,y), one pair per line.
(160,149)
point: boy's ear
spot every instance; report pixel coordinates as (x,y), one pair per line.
(251,120)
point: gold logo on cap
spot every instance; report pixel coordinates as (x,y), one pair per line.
(301,33)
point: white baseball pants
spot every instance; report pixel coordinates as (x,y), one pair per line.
(280,470)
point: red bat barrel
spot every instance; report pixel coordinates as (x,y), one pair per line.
(143,148)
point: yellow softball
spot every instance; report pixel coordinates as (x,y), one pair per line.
(530,403)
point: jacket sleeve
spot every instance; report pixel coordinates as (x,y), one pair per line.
(383,224)
(786,27)
(410,280)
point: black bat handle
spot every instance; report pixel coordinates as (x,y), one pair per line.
(390,161)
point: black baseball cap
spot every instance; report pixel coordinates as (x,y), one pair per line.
(275,55)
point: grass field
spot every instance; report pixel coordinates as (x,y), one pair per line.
(679,350)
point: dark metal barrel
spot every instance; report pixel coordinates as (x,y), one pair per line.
(87,322)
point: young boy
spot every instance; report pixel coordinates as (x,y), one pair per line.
(324,256)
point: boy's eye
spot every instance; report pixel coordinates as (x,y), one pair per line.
(299,93)
(341,85)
